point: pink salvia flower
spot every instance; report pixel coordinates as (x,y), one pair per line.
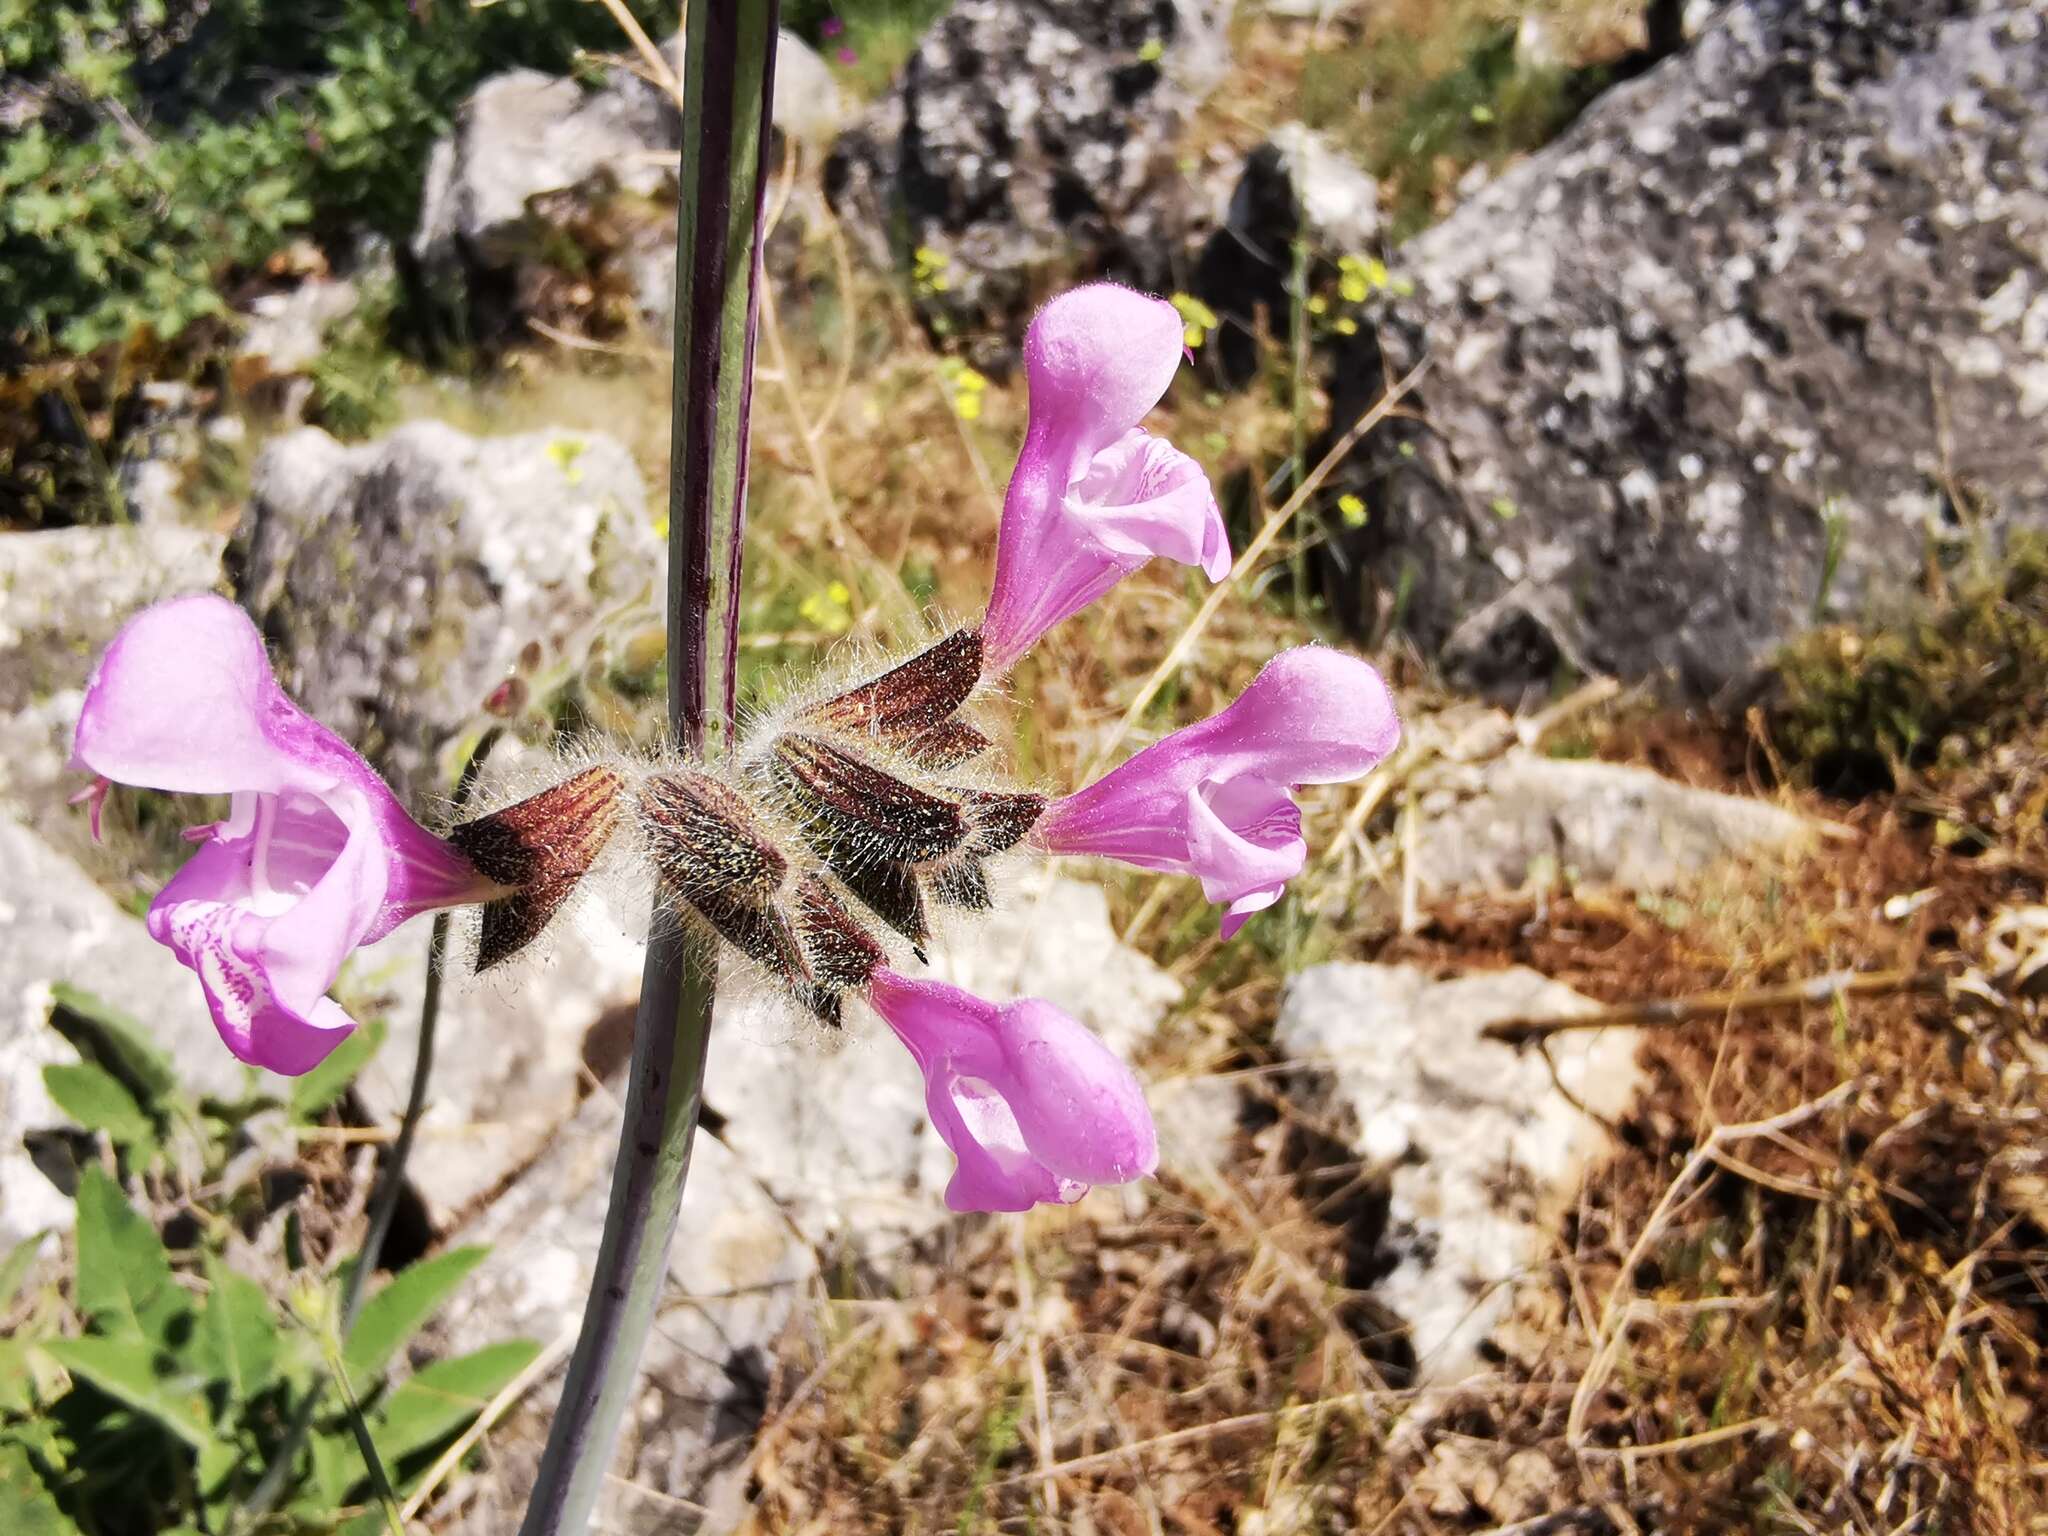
(1213,800)
(1035,1108)
(316,856)
(1094,496)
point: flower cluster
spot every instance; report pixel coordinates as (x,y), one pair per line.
(837,827)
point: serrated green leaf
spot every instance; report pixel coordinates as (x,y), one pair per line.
(395,1314)
(237,1339)
(134,1372)
(26,1506)
(124,1276)
(104,1034)
(443,1397)
(96,1100)
(14,1268)
(319,1088)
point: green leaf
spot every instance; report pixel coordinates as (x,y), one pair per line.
(95,1098)
(395,1314)
(17,1381)
(14,1268)
(124,1276)
(443,1397)
(237,1340)
(319,1088)
(26,1507)
(104,1034)
(133,1371)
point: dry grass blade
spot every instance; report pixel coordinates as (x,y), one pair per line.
(1620,1300)
(1247,561)
(536,1371)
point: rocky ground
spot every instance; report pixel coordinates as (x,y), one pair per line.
(1632,1121)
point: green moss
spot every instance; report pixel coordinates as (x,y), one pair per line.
(1859,709)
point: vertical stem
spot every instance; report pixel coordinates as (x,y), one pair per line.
(1297,346)
(728,83)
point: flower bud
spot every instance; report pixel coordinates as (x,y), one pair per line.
(539,850)
(913,707)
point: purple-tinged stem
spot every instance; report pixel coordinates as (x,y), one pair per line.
(728,86)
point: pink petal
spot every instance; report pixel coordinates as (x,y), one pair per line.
(1244,837)
(264,976)
(1142,497)
(1098,359)
(1212,800)
(1034,1107)
(184,700)
(1093,498)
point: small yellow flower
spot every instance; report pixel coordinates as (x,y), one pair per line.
(830,610)
(1152,52)
(1345,326)
(565,451)
(1352,510)
(1198,318)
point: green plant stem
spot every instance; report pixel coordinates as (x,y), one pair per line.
(728,76)
(384,1198)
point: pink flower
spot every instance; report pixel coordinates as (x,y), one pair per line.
(1035,1108)
(849,56)
(1212,800)
(1095,496)
(832,26)
(316,855)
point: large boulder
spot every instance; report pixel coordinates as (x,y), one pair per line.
(1032,136)
(1761,331)
(399,580)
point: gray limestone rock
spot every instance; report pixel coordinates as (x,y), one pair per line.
(510,1049)
(737,1277)
(1473,1147)
(398,580)
(63,595)
(532,153)
(1765,327)
(1027,140)
(1528,818)
(522,134)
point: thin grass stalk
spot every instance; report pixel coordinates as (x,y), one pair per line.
(728,84)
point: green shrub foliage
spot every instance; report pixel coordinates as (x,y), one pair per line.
(158,147)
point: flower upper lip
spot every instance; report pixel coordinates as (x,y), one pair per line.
(1094,496)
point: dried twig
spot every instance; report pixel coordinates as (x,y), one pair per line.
(1705,1005)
